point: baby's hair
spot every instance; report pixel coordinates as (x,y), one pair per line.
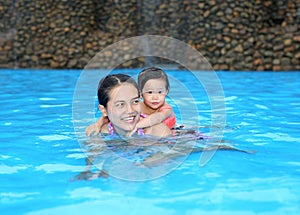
(110,82)
(152,73)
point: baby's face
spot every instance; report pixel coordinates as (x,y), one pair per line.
(154,93)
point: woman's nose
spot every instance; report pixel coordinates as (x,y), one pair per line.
(129,108)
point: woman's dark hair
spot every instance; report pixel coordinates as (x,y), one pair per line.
(152,73)
(109,82)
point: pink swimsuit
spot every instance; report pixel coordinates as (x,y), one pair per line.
(171,120)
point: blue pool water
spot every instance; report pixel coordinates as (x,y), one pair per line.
(40,154)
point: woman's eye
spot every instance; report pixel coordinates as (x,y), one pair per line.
(136,101)
(120,104)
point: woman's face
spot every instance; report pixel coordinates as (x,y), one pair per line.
(123,108)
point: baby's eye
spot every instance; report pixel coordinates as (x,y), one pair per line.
(160,92)
(149,92)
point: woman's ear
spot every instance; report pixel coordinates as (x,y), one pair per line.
(103,110)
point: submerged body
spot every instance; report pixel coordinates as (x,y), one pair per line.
(149,151)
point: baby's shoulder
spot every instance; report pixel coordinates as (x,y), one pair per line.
(165,106)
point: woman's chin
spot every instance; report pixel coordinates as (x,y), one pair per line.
(128,127)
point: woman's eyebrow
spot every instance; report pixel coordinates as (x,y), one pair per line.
(135,98)
(125,101)
(119,101)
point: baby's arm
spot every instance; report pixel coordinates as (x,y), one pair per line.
(155,122)
(96,127)
(154,118)
(158,130)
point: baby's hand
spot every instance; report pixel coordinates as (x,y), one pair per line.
(92,129)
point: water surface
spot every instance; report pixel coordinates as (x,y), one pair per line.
(39,151)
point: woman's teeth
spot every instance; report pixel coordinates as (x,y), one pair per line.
(129,119)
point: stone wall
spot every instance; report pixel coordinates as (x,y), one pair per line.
(231,34)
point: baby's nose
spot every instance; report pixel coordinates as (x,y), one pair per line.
(155,95)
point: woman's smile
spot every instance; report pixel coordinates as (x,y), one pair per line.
(129,119)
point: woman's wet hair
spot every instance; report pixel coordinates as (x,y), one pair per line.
(110,82)
(152,73)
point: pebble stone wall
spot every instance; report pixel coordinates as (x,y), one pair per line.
(260,35)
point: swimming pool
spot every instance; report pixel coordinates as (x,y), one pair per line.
(40,152)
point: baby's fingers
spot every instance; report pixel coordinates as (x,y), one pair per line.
(91,129)
(88,131)
(132,132)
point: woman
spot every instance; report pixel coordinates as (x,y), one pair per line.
(119,101)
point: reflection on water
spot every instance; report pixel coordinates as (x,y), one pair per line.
(146,153)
